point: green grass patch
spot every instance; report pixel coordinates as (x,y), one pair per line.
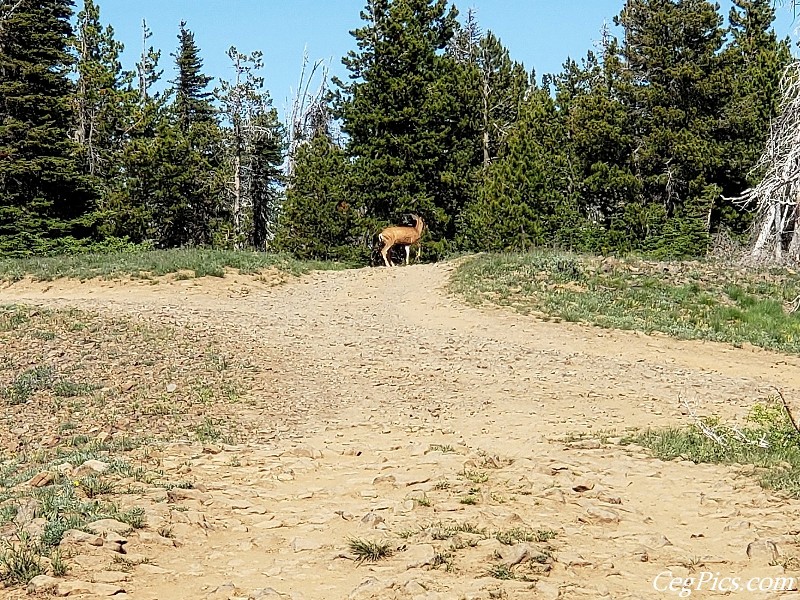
(769,442)
(187,263)
(688,300)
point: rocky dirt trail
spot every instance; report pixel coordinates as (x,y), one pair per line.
(386,410)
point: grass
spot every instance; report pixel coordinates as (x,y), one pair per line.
(21,561)
(768,442)
(187,263)
(689,300)
(510,537)
(368,551)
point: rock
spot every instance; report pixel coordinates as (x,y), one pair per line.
(171,388)
(304,452)
(305,544)
(602,515)
(65,468)
(107,526)
(415,588)
(75,537)
(42,584)
(177,494)
(110,577)
(582,486)
(372,519)
(763,552)
(75,588)
(26,510)
(419,556)
(212,449)
(267,594)
(148,569)
(222,592)
(586,444)
(41,480)
(569,559)
(514,555)
(115,543)
(148,537)
(92,467)
(369,588)
(547,590)
(384,479)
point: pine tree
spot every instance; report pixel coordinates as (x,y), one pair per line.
(400,113)
(131,203)
(600,144)
(525,200)
(192,103)
(189,205)
(754,61)
(318,218)
(674,88)
(43,196)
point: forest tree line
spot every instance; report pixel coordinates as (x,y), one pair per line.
(634,147)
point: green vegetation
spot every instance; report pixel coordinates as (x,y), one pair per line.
(688,300)
(369,551)
(769,442)
(438,120)
(145,264)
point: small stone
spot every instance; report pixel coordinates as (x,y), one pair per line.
(42,584)
(305,544)
(177,494)
(76,537)
(763,552)
(602,515)
(372,519)
(74,588)
(211,449)
(41,480)
(419,556)
(171,388)
(106,526)
(91,467)
(384,479)
(513,555)
(583,486)
(110,577)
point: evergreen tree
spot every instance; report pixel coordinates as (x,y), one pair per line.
(401,114)
(318,219)
(189,205)
(600,144)
(43,196)
(192,104)
(104,105)
(525,199)
(131,208)
(754,62)
(674,88)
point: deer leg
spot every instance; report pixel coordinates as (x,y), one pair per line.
(385,253)
(419,251)
(408,253)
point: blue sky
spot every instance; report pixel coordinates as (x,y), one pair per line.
(539,33)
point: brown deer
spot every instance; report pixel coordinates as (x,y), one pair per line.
(407,236)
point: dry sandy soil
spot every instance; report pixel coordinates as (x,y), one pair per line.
(381,402)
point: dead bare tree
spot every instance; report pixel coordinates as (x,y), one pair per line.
(776,198)
(309,114)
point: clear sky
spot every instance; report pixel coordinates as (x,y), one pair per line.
(539,33)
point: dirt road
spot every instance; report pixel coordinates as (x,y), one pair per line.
(394,402)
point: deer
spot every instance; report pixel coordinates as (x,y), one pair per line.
(407,236)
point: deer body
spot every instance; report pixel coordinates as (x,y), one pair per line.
(406,236)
